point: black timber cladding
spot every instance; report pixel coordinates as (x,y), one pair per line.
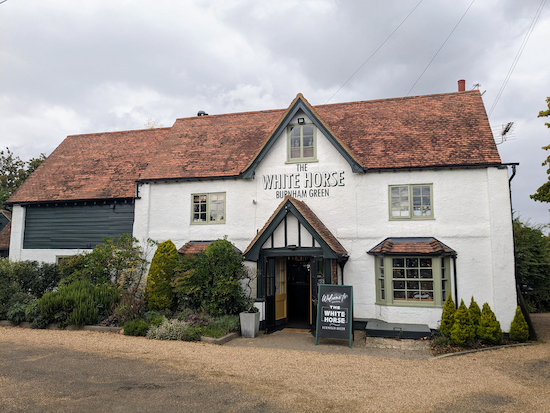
(76,225)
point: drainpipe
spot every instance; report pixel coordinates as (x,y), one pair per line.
(520,302)
(455,281)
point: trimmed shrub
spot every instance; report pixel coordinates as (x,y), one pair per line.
(463,329)
(519,330)
(161,272)
(214,283)
(79,303)
(489,330)
(448,316)
(137,327)
(168,330)
(475,315)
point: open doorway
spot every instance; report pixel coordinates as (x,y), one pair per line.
(299,297)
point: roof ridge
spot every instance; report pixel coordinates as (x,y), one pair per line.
(121,131)
(396,98)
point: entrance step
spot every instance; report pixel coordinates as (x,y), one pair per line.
(379,328)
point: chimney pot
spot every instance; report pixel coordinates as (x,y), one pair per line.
(461,85)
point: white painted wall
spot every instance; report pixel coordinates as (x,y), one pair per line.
(471,215)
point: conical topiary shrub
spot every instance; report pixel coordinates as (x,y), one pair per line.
(448,316)
(475,315)
(463,329)
(159,289)
(489,330)
(519,330)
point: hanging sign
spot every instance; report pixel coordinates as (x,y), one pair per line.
(334,312)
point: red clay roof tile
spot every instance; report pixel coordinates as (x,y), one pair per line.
(442,130)
(94,166)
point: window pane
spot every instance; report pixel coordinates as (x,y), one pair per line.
(399,285)
(425,262)
(398,262)
(295,131)
(412,262)
(412,273)
(412,285)
(399,295)
(426,273)
(308,152)
(426,285)
(398,274)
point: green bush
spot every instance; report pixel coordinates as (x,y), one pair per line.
(220,326)
(137,327)
(79,303)
(132,305)
(463,329)
(118,260)
(168,330)
(532,253)
(448,316)
(475,315)
(34,278)
(16,313)
(519,330)
(212,282)
(192,333)
(489,330)
(159,279)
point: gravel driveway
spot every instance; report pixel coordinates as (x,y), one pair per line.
(62,371)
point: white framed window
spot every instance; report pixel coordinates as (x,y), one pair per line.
(302,145)
(411,201)
(208,208)
(412,280)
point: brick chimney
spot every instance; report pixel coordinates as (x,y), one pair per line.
(461,85)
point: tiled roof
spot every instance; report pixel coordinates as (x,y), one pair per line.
(195,247)
(311,218)
(442,130)
(213,145)
(449,129)
(404,246)
(420,131)
(94,166)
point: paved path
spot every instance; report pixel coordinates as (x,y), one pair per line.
(83,371)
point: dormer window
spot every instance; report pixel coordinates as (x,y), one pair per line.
(301,143)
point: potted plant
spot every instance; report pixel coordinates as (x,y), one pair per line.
(250,318)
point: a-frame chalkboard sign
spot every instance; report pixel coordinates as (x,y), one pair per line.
(334,312)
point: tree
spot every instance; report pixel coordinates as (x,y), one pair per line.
(543,193)
(489,328)
(519,330)
(475,315)
(463,329)
(448,316)
(13,172)
(532,250)
(159,289)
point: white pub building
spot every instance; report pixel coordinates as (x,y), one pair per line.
(404,199)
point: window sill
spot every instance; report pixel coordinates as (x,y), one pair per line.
(404,303)
(295,161)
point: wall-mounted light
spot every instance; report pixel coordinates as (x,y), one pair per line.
(301,121)
(292,247)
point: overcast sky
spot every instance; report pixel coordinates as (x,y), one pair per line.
(70,67)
